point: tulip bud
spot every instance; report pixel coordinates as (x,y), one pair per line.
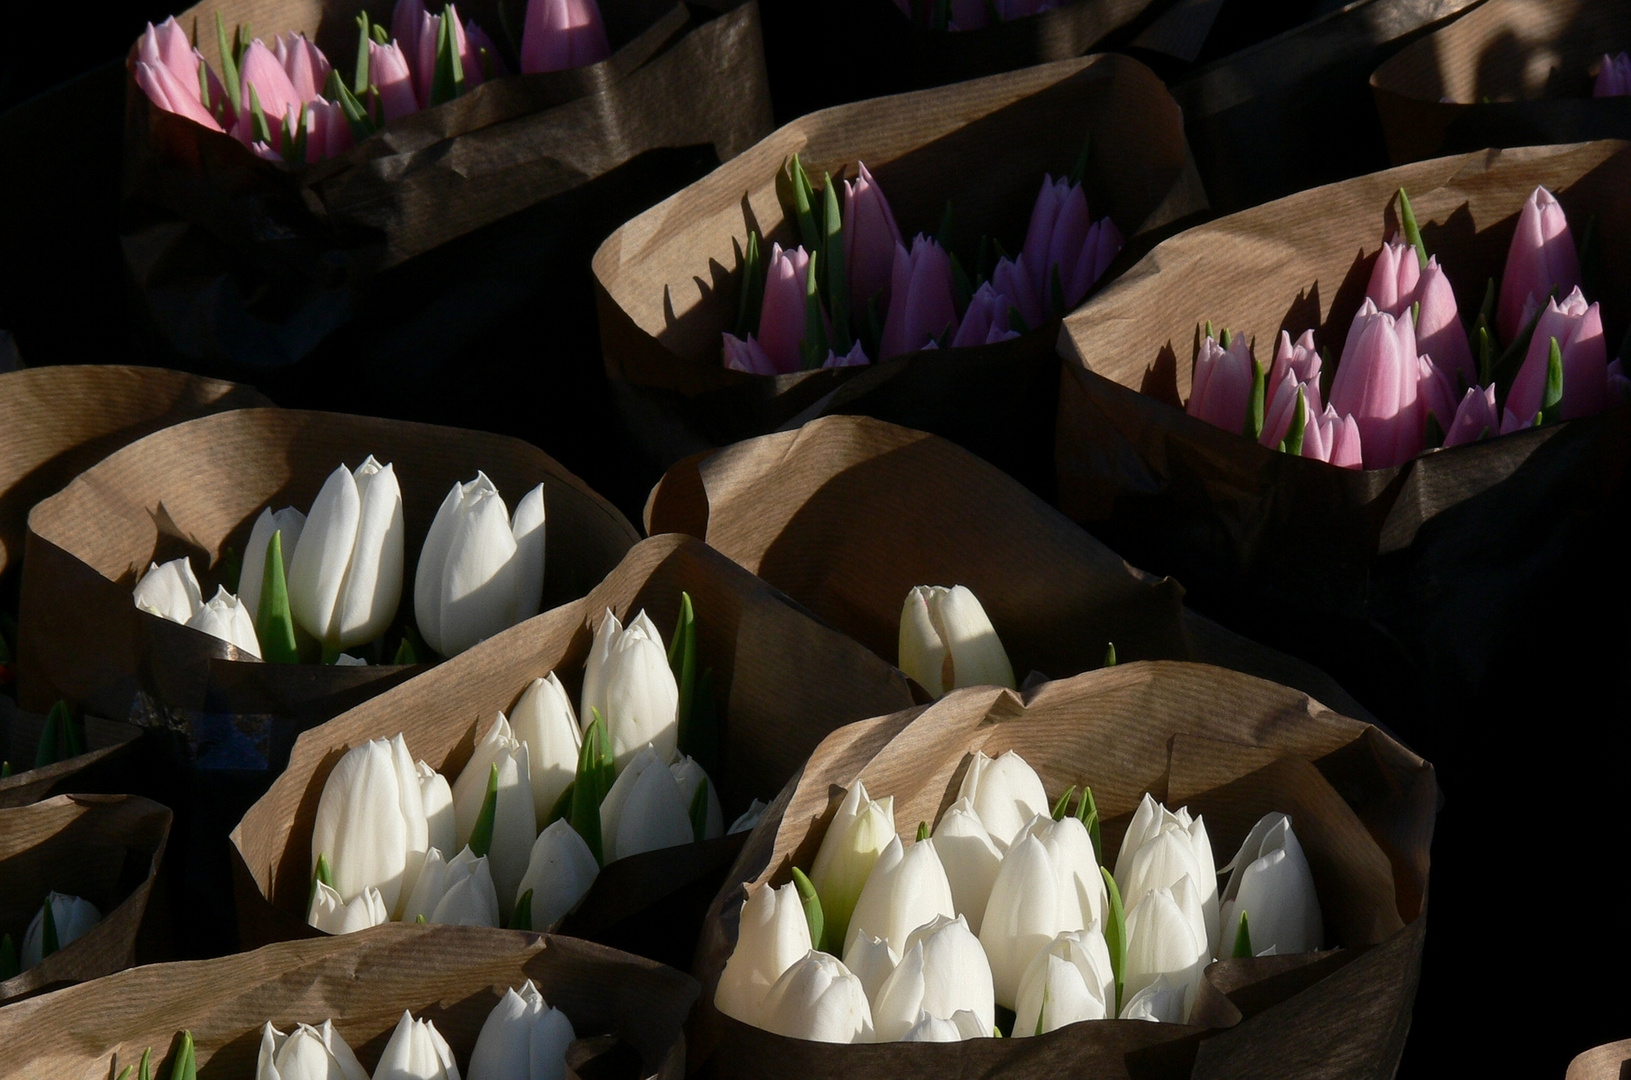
(907,888)
(1068,981)
(986,320)
(1394,279)
(971,859)
(441,827)
(872,960)
(371,822)
(628,681)
(173,94)
(772,936)
(1083,900)
(645,810)
(310,1053)
(389,74)
(1166,935)
(287,521)
(170,591)
(818,999)
(960,1026)
(1332,438)
(870,239)
(691,776)
(749,819)
(947,641)
(1302,362)
(514,821)
(543,719)
(1280,407)
(479,572)
(1475,418)
(416,1051)
(942,970)
(562,34)
(782,313)
(1437,389)
(1270,881)
(1062,242)
(1005,792)
(858,833)
(332,915)
(166,45)
(523,1039)
(1378,384)
(560,872)
(1026,912)
(345,579)
(1578,329)
(1439,333)
(260,71)
(407,21)
(73,918)
(1015,279)
(1613,77)
(1541,258)
(921,309)
(1160,1001)
(308,69)
(748,356)
(457,893)
(1178,846)
(1222,385)
(225,618)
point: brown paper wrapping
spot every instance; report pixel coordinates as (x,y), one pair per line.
(667,285)
(1507,73)
(110,748)
(627,1012)
(818,514)
(1606,1062)
(104,848)
(1229,746)
(781,681)
(1407,585)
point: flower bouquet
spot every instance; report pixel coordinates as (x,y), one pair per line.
(41,756)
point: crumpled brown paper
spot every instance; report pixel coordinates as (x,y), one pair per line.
(109,751)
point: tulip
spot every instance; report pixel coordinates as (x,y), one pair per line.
(1162,846)
(1005,792)
(423,60)
(73,917)
(1619,386)
(960,1026)
(856,357)
(1069,981)
(1015,279)
(332,915)
(1221,387)
(309,1053)
(1332,438)
(921,309)
(772,936)
(870,239)
(170,591)
(1437,387)
(481,57)
(1269,880)
(436,796)
(1394,279)
(986,320)
(1302,362)
(330,131)
(289,522)
(308,69)
(1439,332)
(371,822)
(942,970)
(858,833)
(544,720)
(907,888)
(407,22)
(515,824)
(690,776)
(748,356)
(1083,900)
(628,681)
(260,71)
(645,810)
(166,45)
(523,1039)
(1542,258)
(389,73)
(1160,1001)
(345,579)
(560,871)
(749,820)
(1062,241)
(1166,936)
(1475,418)
(818,999)
(481,571)
(1378,384)
(416,1051)
(971,859)
(457,893)
(947,641)
(1578,329)
(782,313)
(562,34)
(170,93)
(1026,911)
(872,960)
(1613,77)
(225,618)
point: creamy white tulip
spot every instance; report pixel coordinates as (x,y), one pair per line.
(961,1025)
(288,521)
(1138,871)
(947,641)
(345,580)
(436,795)
(971,859)
(593,697)
(225,618)
(1166,936)
(515,820)
(907,888)
(470,786)
(772,935)
(1269,879)
(332,915)
(309,1053)
(820,1000)
(749,819)
(544,720)
(456,893)
(690,775)
(872,960)
(635,693)
(1026,911)
(523,1039)
(170,591)
(1160,1001)
(416,1051)
(1005,792)
(942,971)
(1083,897)
(560,871)
(645,810)
(371,822)
(856,836)
(74,917)
(1069,981)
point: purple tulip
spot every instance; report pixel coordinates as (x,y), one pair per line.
(562,34)
(1542,257)
(1614,77)
(1578,328)
(921,309)
(1393,281)
(1222,384)
(1475,417)
(1333,439)
(856,357)
(170,93)
(1619,385)
(1510,422)
(1378,384)
(261,71)
(1013,279)
(422,61)
(476,42)
(870,239)
(407,23)
(986,320)
(747,356)
(304,63)
(388,71)
(1062,239)
(781,316)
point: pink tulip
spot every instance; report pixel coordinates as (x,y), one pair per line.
(747,356)
(388,71)
(1333,439)
(1222,384)
(261,71)
(166,44)
(407,23)
(1619,386)
(856,357)
(562,34)
(1510,422)
(1013,279)
(1475,418)
(265,150)
(307,67)
(781,317)
(870,239)
(1280,409)
(1063,240)
(921,309)
(1439,332)
(1614,77)
(329,132)
(1302,360)
(986,320)
(1437,388)
(1378,384)
(475,42)
(1578,328)
(1542,257)
(1393,281)
(422,61)
(170,94)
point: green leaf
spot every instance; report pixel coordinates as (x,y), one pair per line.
(263,133)
(1243,941)
(1109,654)
(1115,935)
(1483,351)
(798,202)
(448,81)
(682,660)
(1293,442)
(356,117)
(481,837)
(74,735)
(812,908)
(124,1073)
(381,35)
(563,805)
(1042,1010)
(1506,368)
(753,286)
(145,1071)
(942,235)
(419,920)
(922,831)
(1415,313)
(1224,337)
(1412,232)
(229,62)
(705,724)
(1551,398)
(9,967)
(1016,321)
(5,770)
(1206,332)
(815,330)
(1062,807)
(51,736)
(591,783)
(1087,812)
(699,811)
(49,934)
(521,917)
(359,82)
(1080,171)
(836,280)
(1486,310)
(962,289)
(184,1066)
(1253,426)
(274,625)
(405,654)
(321,872)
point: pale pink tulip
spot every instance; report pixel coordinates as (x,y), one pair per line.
(986,320)
(1614,77)
(1437,388)
(388,71)
(168,93)
(329,132)
(1222,384)
(870,239)
(305,64)
(1542,257)
(1578,328)
(1439,332)
(562,34)
(1393,280)
(167,44)
(1475,418)
(262,72)
(1302,360)
(1334,439)
(1378,384)
(781,316)
(1280,407)
(747,356)
(921,309)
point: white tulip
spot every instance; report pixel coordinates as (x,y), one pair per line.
(310,1053)
(225,618)
(907,888)
(971,859)
(690,775)
(1270,881)
(948,642)
(416,1051)
(170,591)
(252,577)
(345,580)
(560,871)
(480,572)
(457,893)
(523,1039)
(943,970)
(332,915)
(749,819)
(871,959)
(74,918)
(544,720)
(1069,981)
(629,683)
(1138,871)
(1160,1001)
(347,660)
(515,821)
(437,797)
(818,999)
(961,1025)
(1027,910)
(1166,936)
(1005,792)
(1083,898)
(593,697)
(856,836)
(772,935)
(371,822)
(645,810)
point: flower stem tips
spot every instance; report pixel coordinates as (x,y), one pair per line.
(1243,941)
(1115,935)
(60,739)
(481,837)
(1412,231)
(323,872)
(274,626)
(812,908)
(590,785)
